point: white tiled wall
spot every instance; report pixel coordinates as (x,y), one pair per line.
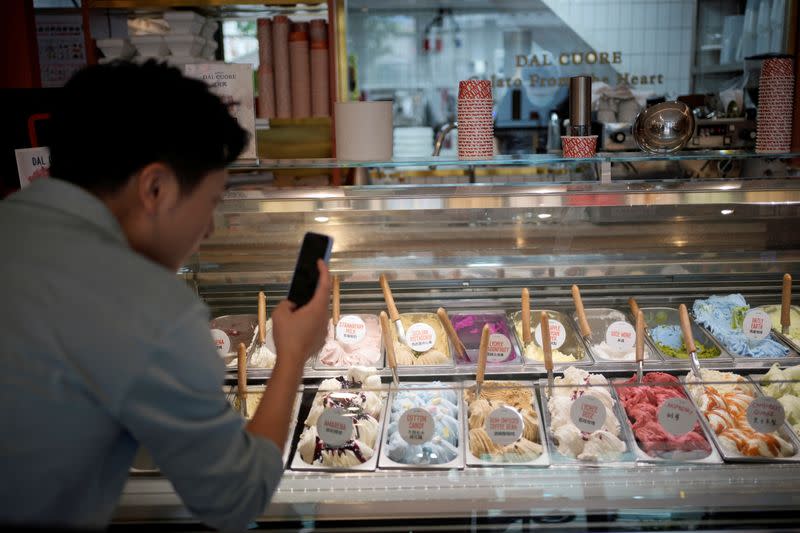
(655,36)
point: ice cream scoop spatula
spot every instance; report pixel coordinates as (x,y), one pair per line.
(394,315)
(336,309)
(241,378)
(391,361)
(526,316)
(639,346)
(786,304)
(688,340)
(483,351)
(547,350)
(451,332)
(586,331)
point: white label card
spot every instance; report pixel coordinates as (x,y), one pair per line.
(756,325)
(558,334)
(350,329)
(621,336)
(221,341)
(416,426)
(334,428)
(32,164)
(588,413)
(420,337)
(677,416)
(499,348)
(765,414)
(504,426)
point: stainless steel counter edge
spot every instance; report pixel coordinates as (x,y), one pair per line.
(452,493)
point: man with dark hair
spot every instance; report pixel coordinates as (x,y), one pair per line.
(103,347)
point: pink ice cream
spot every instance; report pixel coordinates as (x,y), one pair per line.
(366,352)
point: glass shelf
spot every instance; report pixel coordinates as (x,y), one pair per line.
(507,160)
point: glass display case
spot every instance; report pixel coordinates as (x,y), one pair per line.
(471,249)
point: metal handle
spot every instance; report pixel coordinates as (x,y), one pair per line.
(442,135)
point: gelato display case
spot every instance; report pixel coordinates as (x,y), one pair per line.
(594,447)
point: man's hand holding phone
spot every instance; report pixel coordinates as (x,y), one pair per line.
(300,332)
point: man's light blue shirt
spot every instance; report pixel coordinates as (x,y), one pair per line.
(102,350)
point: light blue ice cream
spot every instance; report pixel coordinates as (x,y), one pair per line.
(723,315)
(441,403)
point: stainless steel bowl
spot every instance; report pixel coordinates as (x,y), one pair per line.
(664,128)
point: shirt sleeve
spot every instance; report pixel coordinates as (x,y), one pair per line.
(177,410)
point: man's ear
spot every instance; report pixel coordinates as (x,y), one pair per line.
(157,188)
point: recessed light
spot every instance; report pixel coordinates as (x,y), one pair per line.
(321,219)
(544,216)
(727,211)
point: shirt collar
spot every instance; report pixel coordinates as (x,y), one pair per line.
(60,195)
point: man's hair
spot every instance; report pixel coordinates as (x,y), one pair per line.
(112,120)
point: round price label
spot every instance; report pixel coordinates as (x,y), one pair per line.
(588,413)
(765,414)
(756,325)
(350,329)
(416,426)
(621,336)
(221,341)
(334,428)
(499,348)
(558,334)
(420,337)
(677,416)
(504,426)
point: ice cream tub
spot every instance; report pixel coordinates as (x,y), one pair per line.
(784,386)
(357,402)
(356,340)
(504,351)
(722,400)
(792,337)
(499,454)
(694,446)
(426,344)
(600,320)
(663,327)
(229,331)
(420,429)
(568,349)
(722,317)
(261,358)
(254,393)
(611,445)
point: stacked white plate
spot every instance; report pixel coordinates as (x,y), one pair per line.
(413,142)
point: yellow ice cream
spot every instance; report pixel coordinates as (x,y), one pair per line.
(439,354)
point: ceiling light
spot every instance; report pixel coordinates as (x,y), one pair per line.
(727,211)
(544,216)
(321,219)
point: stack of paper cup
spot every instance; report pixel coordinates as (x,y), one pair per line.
(475,127)
(775,101)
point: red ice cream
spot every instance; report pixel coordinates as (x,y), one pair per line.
(641,404)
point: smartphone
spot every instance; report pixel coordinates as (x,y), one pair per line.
(306,273)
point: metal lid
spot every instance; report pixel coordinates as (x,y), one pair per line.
(664,128)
